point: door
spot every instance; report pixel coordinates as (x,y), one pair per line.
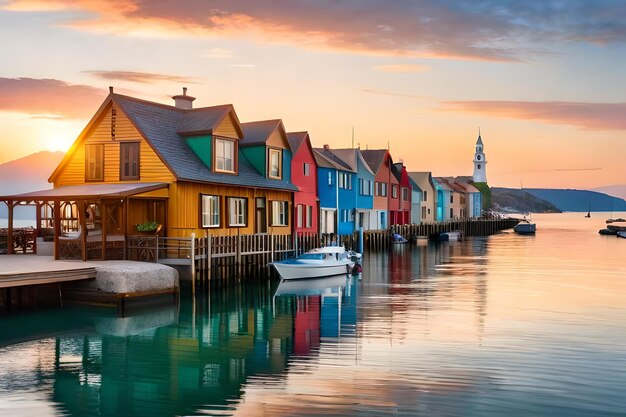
(260,225)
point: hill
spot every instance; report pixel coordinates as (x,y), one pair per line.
(579,200)
(511,200)
(618,191)
(29,173)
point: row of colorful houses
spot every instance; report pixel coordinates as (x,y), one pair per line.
(203,171)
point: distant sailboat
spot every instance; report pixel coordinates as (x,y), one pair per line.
(589,212)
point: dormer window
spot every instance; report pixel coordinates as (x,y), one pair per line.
(275,170)
(224,155)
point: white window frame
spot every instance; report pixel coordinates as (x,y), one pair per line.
(394,191)
(280,210)
(299,215)
(309,216)
(210,211)
(306,169)
(222,148)
(271,167)
(237,211)
(330,178)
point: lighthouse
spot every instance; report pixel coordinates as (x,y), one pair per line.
(480,163)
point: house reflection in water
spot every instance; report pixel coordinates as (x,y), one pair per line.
(174,361)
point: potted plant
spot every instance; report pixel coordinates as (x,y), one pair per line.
(149,227)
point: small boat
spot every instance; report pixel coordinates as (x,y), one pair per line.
(450,236)
(320,262)
(589,212)
(615,220)
(398,239)
(621,234)
(525,228)
(607,232)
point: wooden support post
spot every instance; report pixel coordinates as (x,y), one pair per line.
(83,227)
(125,225)
(209,250)
(103,225)
(10,250)
(37,225)
(193,263)
(57,227)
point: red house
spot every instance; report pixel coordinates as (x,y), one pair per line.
(403,215)
(304,176)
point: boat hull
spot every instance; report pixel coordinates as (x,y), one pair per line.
(525,228)
(297,270)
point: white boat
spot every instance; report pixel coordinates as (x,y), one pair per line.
(320,262)
(525,228)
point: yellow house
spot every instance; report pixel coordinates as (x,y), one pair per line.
(139,165)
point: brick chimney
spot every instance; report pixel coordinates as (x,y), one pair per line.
(183,101)
(326,147)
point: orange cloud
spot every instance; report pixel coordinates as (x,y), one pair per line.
(592,116)
(49,98)
(142,77)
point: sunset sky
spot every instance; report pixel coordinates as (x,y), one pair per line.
(544,80)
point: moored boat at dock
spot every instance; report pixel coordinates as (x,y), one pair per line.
(320,262)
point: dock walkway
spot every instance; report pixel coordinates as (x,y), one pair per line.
(21,270)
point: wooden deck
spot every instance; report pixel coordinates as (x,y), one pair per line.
(21,270)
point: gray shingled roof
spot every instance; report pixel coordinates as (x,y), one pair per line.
(203,119)
(374,158)
(296,139)
(160,124)
(326,158)
(257,133)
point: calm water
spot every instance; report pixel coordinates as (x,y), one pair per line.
(501,326)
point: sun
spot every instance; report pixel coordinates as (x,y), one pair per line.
(56,143)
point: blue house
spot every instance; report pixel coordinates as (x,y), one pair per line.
(337,193)
(363,188)
(444,193)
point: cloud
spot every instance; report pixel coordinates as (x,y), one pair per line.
(496,30)
(402,68)
(49,98)
(590,116)
(142,77)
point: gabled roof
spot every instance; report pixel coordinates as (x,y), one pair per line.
(296,139)
(203,120)
(325,158)
(396,170)
(442,183)
(414,185)
(257,133)
(350,157)
(159,124)
(374,158)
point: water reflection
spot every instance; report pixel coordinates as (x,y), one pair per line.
(499,326)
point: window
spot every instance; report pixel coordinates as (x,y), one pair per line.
(237,211)
(224,155)
(365,187)
(423,212)
(381,189)
(94,162)
(349,182)
(342,183)
(279,213)
(210,210)
(330,178)
(405,194)
(425,195)
(371,187)
(394,191)
(299,214)
(306,168)
(347,215)
(129,161)
(309,216)
(275,164)
(451,213)
(451,198)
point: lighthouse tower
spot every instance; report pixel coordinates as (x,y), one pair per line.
(480,163)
